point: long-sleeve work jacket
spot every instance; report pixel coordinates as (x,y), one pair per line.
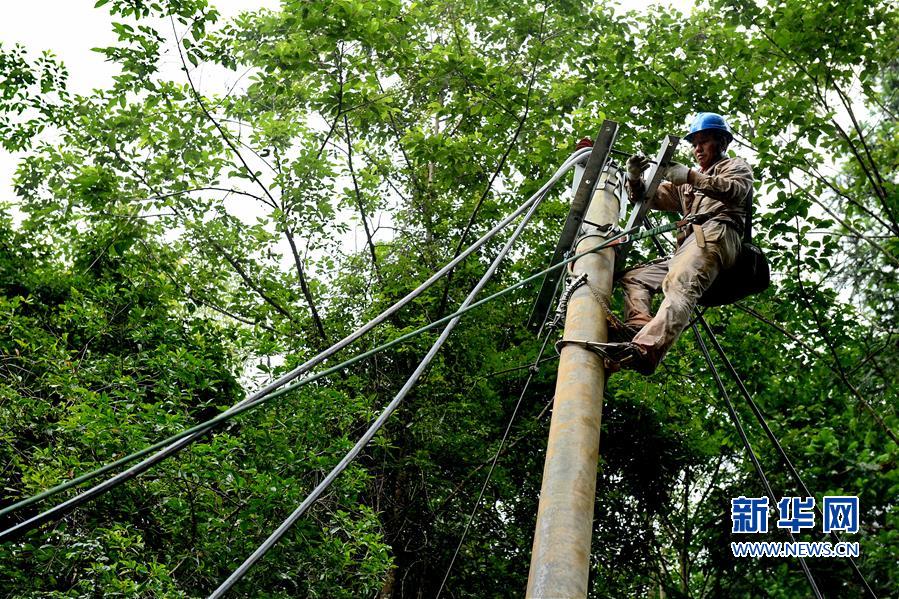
(724,191)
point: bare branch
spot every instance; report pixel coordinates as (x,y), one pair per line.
(304,285)
(499,168)
(845,223)
(222,133)
(359,201)
(825,336)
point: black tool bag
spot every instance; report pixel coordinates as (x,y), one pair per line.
(749,275)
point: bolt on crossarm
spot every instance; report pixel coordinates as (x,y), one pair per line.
(560,559)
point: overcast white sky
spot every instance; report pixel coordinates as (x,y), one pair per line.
(70,28)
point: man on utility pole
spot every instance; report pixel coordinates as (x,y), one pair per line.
(715,199)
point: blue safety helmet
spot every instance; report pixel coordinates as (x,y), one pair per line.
(709,121)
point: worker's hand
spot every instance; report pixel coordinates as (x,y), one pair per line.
(584,143)
(677,173)
(636,164)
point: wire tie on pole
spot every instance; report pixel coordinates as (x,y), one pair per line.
(602,231)
(589,345)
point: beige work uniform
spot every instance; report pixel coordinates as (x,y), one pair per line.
(725,190)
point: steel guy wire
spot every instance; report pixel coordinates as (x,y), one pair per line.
(773,438)
(740,430)
(532,367)
(306,366)
(632,234)
(378,423)
(531,372)
(764,423)
(755,462)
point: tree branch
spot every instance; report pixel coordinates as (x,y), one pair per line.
(217,246)
(866,168)
(304,286)
(822,331)
(242,273)
(874,174)
(359,202)
(499,167)
(817,175)
(845,223)
(222,133)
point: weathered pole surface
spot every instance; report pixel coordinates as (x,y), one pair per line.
(560,559)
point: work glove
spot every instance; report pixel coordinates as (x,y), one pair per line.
(677,173)
(636,164)
(584,143)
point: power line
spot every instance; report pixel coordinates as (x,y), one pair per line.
(758,413)
(533,369)
(183,441)
(378,423)
(558,319)
(739,426)
(760,418)
(194,432)
(836,367)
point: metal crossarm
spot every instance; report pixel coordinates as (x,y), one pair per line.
(653,179)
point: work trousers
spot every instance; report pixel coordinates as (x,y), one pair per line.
(683,279)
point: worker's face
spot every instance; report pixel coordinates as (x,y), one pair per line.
(706,149)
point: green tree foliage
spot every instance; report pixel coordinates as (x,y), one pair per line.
(175,248)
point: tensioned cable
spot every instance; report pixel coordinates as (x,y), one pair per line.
(560,310)
(533,369)
(773,438)
(760,418)
(306,366)
(755,462)
(629,235)
(378,423)
(740,430)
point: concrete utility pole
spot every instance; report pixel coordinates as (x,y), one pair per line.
(560,559)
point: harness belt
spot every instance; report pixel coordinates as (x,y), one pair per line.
(694,226)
